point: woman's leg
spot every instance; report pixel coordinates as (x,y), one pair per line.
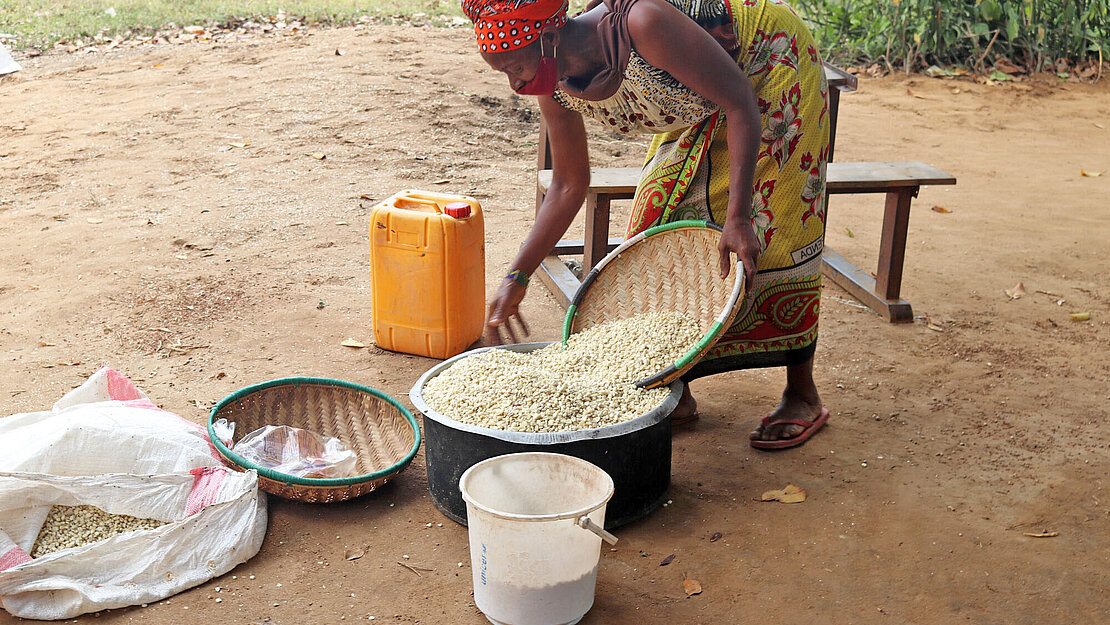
(800,401)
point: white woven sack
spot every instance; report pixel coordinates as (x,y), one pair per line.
(105,444)
(7,63)
(106,425)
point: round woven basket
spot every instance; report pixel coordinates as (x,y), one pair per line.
(673,267)
(382,433)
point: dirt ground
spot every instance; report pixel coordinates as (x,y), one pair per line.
(161,213)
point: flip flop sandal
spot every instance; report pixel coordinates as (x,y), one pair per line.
(811,428)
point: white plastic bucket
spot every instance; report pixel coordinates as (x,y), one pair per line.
(535,524)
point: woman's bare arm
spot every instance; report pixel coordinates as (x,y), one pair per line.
(570,180)
(668,39)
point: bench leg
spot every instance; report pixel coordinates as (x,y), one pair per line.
(597,230)
(883,292)
(861,286)
(892,244)
(555,275)
(558,279)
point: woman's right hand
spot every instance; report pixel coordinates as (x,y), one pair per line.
(504,307)
(738,237)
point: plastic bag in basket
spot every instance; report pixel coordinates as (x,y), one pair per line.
(297,452)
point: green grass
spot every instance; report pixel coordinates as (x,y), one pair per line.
(914,34)
(41,23)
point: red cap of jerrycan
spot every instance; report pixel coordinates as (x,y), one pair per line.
(458,210)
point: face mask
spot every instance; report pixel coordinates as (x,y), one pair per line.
(546,79)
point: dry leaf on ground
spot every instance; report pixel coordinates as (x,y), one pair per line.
(667,560)
(1017,291)
(790,494)
(1042,534)
(318,156)
(715,537)
(940,209)
(352,343)
(691,586)
(1090,174)
(1081,316)
(354,553)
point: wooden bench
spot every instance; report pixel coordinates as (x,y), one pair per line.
(899,181)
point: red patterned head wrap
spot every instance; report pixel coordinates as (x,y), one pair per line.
(503,25)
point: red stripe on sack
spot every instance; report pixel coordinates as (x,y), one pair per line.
(215,453)
(13,557)
(206,485)
(120,388)
(212,451)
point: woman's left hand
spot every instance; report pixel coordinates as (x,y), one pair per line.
(739,238)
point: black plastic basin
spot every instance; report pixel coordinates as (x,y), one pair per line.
(636,453)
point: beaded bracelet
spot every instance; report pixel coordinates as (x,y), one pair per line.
(518,276)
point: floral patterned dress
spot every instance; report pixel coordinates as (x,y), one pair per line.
(685,175)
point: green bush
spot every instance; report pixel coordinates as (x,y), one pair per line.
(912,34)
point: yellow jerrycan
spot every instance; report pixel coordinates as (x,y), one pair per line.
(427,273)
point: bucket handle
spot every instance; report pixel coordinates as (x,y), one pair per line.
(587,523)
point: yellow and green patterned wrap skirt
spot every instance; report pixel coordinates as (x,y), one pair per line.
(686,176)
